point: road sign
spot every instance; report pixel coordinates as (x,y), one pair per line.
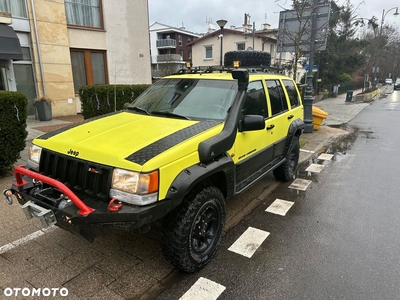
(290,22)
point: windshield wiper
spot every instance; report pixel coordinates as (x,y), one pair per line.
(170,114)
(137,108)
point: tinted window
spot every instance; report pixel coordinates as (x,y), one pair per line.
(255,103)
(292,93)
(276,97)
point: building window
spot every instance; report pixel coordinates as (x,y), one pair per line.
(87,13)
(181,53)
(88,67)
(272,50)
(240,46)
(180,40)
(208,52)
(24,77)
(17,8)
(190,54)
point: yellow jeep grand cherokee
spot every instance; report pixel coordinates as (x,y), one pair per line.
(177,152)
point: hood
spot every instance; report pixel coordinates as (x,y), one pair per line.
(123,138)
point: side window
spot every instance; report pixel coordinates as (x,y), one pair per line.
(255,103)
(292,93)
(276,97)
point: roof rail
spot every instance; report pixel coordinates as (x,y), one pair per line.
(220,69)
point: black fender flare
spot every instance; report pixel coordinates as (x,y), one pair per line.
(296,126)
(188,178)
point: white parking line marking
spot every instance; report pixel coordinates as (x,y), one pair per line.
(280,207)
(25,239)
(325,156)
(204,289)
(308,151)
(316,168)
(249,241)
(300,184)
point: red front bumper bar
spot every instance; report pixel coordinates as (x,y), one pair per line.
(84,210)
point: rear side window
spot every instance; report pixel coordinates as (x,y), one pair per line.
(292,93)
(276,97)
(255,103)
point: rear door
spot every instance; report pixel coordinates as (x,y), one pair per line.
(281,116)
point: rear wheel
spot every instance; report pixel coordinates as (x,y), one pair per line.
(286,171)
(192,232)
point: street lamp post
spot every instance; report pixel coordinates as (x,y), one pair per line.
(380,34)
(221,24)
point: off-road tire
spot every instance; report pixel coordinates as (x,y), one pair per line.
(286,171)
(192,232)
(248,58)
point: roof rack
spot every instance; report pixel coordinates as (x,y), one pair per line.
(220,69)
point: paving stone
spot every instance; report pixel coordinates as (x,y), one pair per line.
(132,284)
(142,247)
(15,271)
(83,259)
(110,243)
(49,256)
(54,276)
(23,252)
(106,294)
(118,263)
(89,282)
(157,267)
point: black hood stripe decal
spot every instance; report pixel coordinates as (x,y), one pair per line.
(52,133)
(145,154)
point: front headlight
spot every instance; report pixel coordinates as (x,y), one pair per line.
(34,157)
(134,187)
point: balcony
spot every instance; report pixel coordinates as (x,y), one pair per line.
(169,58)
(166,44)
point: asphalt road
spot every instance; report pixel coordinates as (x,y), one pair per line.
(339,240)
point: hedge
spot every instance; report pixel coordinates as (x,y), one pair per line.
(13,114)
(99,99)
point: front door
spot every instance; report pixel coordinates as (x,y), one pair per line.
(252,150)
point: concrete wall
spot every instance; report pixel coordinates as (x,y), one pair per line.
(54,47)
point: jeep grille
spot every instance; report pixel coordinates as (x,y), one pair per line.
(82,177)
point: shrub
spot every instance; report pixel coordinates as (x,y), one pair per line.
(100,99)
(13,113)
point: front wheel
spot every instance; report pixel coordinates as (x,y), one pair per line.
(286,171)
(192,232)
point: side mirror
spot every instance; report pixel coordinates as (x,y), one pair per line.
(251,123)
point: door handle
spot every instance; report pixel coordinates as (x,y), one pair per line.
(290,117)
(270,127)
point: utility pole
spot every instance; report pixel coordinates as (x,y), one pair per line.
(308,98)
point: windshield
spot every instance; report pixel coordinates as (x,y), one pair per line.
(188,98)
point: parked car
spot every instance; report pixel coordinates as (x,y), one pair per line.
(389,81)
(397,84)
(175,154)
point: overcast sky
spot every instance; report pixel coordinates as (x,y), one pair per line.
(193,14)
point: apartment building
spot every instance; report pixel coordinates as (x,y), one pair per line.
(170,48)
(49,48)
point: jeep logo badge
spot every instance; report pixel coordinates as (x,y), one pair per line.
(73,153)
